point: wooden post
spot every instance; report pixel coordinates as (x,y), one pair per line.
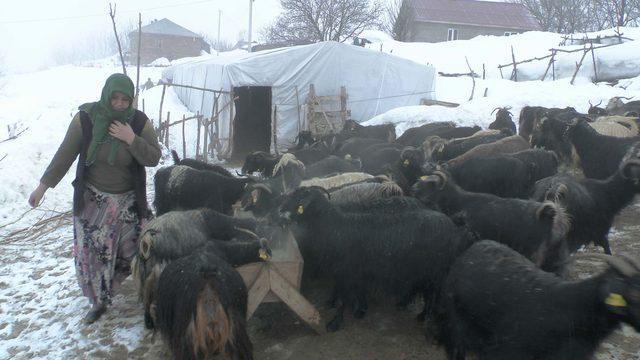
(311,98)
(484,72)
(515,69)
(578,65)
(166,130)
(553,56)
(298,107)
(274,130)
(473,89)
(164,89)
(143,105)
(206,138)
(486,90)
(217,125)
(112,13)
(501,75)
(184,142)
(198,135)
(231,122)
(595,70)
(138,62)
(343,104)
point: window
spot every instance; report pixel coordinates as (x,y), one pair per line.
(452,34)
(159,43)
(509,33)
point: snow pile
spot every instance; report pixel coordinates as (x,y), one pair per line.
(620,61)
(163,61)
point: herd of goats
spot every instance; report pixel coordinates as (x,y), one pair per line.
(480,224)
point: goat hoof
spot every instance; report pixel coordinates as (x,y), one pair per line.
(359,314)
(148,321)
(334,325)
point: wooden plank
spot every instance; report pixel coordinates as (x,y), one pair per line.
(166,131)
(593,58)
(198,139)
(515,69)
(184,142)
(296,302)
(206,138)
(578,65)
(257,291)
(164,89)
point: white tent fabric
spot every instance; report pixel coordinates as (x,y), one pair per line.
(376,82)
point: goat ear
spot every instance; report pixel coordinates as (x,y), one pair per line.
(612,296)
(547,211)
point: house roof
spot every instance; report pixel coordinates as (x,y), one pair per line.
(167,27)
(471,12)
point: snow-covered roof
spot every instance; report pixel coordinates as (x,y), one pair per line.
(167,27)
(472,12)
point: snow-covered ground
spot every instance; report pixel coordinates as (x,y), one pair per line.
(40,304)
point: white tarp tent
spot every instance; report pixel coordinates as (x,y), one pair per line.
(375,82)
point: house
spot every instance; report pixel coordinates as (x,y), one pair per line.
(446,20)
(164,38)
(270,89)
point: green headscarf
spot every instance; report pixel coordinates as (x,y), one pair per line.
(102,114)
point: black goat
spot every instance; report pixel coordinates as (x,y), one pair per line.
(531,115)
(593,204)
(180,233)
(180,187)
(201,308)
(439,149)
(405,252)
(415,136)
(503,120)
(498,305)
(384,132)
(596,110)
(331,165)
(506,175)
(260,161)
(313,153)
(500,175)
(543,163)
(199,165)
(355,146)
(600,155)
(536,230)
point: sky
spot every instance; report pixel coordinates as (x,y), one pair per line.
(31,31)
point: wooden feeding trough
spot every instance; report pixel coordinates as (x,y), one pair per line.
(278,279)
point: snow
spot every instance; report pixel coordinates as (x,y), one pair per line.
(40,304)
(163,61)
(491,51)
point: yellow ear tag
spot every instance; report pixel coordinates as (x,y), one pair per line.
(254,196)
(406,162)
(615,300)
(263,255)
(300,210)
(424,178)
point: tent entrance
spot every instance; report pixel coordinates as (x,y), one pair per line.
(252,121)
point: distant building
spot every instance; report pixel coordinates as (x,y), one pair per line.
(164,38)
(446,20)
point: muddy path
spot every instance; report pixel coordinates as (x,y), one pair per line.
(41,309)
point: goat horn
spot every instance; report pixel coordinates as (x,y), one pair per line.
(494,110)
(620,264)
(249,232)
(263,187)
(240,174)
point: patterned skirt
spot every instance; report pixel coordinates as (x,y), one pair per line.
(105,242)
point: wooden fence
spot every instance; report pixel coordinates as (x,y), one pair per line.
(207,128)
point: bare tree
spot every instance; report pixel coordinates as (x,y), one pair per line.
(398,18)
(612,13)
(569,16)
(561,16)
(323,20)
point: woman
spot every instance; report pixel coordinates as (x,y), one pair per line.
(115,142)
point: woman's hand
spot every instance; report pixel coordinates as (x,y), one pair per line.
(37,194)
(122,131)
